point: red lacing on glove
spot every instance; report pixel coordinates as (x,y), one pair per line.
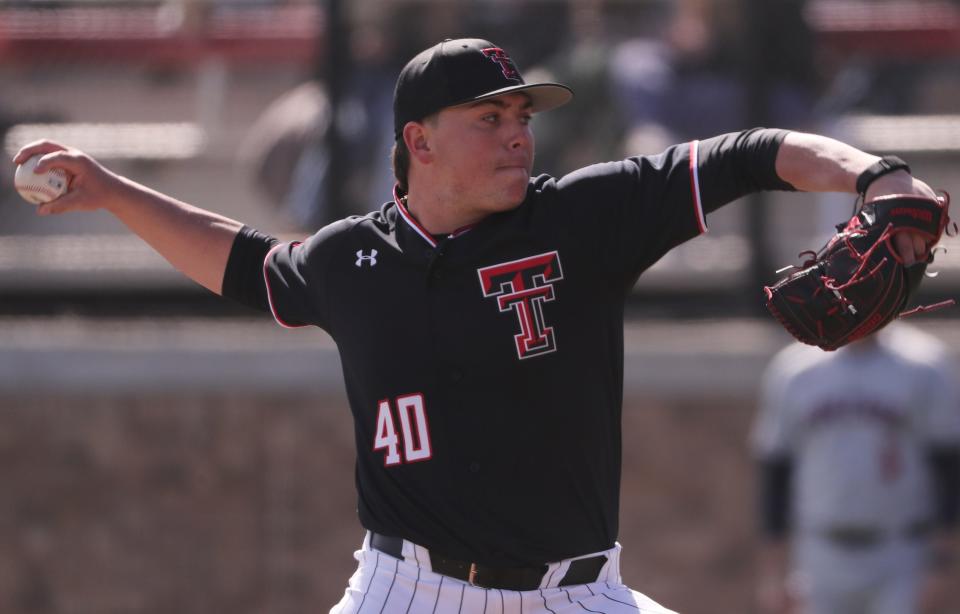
(928,308)
(858,276)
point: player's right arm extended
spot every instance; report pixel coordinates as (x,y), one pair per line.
(195,241)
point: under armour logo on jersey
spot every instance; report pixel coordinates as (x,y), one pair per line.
(523,286)
(500,56)
(371,259)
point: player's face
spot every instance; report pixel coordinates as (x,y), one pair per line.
(484,152)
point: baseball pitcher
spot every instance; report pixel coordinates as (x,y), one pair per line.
(479,318)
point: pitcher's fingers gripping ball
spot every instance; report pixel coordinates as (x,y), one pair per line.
(859,283)
(39,188)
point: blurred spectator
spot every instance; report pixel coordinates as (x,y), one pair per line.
(566,139)
(694,79)
(287,146)
(286,153)
(531,29)
(859,454)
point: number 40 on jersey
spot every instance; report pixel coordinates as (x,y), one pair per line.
(411,442)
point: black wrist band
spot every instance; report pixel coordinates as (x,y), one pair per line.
(884,165)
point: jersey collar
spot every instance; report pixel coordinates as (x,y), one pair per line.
(400,201)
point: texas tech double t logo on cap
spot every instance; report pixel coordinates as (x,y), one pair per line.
(498,55)
(524,286)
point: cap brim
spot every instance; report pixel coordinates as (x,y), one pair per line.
(543,96)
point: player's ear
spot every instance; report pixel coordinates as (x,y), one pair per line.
(417,138)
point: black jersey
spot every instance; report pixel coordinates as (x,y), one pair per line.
(484,369)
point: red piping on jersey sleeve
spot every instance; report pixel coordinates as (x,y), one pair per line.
(695,185)
(266,281)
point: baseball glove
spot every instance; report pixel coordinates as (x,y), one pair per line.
(858,283)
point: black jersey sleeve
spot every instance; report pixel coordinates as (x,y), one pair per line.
(632,212)
(733,165)
(243,276)
(294,275)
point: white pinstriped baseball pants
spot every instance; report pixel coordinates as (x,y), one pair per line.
(385,585)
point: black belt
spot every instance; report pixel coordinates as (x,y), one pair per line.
(581,571)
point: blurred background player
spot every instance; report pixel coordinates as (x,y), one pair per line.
(859,455)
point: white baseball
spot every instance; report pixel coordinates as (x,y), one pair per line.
(39,188)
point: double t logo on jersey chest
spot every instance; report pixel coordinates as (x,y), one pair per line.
(523,286)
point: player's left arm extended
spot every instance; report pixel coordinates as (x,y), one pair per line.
(814,163)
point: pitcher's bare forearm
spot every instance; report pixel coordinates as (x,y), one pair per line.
(195,241)
(814,163)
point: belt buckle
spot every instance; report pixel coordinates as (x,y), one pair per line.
(472,576)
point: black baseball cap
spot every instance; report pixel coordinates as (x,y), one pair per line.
(457,71)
